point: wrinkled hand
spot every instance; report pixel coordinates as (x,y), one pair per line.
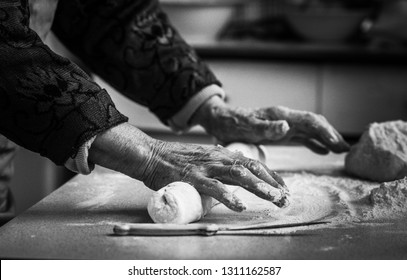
(126,149)
(208,168)
(266,125)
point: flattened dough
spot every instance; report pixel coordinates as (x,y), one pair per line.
(178,203)
(381,153)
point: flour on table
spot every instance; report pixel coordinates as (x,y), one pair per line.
(313,197)
(341,200)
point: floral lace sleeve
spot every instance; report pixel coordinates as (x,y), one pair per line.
(47,104)
(132,45)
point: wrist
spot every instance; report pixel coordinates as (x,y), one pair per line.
(123,148)
(208,111)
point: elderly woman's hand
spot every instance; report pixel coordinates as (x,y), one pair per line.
(266,125)
(208,168)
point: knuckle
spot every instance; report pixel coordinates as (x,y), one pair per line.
(254,166)
(311,116)
(215,183)
(227,197)
(238,171)
(320,118)
(218,149)
(186,171)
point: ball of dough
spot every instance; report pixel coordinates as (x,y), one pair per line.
(178,203)
(381,153)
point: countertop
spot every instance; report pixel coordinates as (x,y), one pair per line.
(76,222)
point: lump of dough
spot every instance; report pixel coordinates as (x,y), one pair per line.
(178,203)
(381,153)
(391,194)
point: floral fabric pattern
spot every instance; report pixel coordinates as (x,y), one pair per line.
(47,104)
(133,46)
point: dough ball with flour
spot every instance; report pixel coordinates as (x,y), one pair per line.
(178,203)
(381,153)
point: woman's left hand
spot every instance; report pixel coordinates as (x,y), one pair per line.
(269,125)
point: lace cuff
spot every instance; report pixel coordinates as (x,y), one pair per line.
(179,123)
(79,162)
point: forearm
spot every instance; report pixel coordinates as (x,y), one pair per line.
(47,104)
(134,48)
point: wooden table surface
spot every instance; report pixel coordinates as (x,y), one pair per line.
(76,222)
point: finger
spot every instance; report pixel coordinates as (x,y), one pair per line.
(312,144)
(339,145)
(342,146)
(334,141)
(310,124)
(220,192)
(262,172)
(326,134)
(239,175)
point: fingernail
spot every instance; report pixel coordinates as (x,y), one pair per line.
(240,206)
(234,202)
(283,202)
(272,194)
(285,190)
(333,139)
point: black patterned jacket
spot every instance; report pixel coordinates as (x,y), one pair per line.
(50,106)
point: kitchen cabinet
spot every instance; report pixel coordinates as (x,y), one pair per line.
(251,83)
(351,85)
(34,178)
(350,96)
(355,95)
(247,84)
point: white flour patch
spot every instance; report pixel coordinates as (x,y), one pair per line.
(97,201)
(343,201)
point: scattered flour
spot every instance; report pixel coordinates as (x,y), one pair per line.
(344,201)
(339,199)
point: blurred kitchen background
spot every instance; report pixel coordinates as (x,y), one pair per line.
(345,59)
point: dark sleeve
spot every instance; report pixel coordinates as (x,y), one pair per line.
(47,104)
(132,45)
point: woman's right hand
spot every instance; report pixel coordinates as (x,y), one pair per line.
(208,168)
